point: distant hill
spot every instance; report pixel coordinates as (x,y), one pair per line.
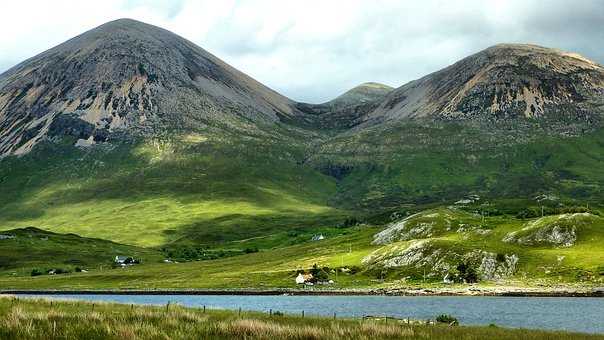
(346,110)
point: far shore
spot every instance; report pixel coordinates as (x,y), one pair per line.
(463,291)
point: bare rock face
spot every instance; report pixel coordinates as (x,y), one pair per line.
(127,74)
(501,82)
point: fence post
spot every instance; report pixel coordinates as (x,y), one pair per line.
(204,308)
(270,312)
(239,311)
(303,313)
(167,306)
(93,307)
(334,315)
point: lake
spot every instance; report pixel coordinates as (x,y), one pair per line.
(554,313)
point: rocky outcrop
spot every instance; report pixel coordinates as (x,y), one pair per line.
(559,230)
(426,224)
(441,258)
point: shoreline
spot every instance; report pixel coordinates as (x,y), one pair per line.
(471,291)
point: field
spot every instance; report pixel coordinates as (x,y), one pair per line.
(342,253)
(42,319)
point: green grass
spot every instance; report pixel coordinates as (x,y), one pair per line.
(183,192)
(231,193)
(42,319)
(345,248)
(32,248)
(265,269)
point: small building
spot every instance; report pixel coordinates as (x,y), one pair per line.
(304,278)
(123,260)
(318,237)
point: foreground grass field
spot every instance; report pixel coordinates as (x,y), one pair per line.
(43,319)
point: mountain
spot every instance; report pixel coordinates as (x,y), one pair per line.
(128,75)
(131,134)
(361,94)
(346,110)
(502,82)
(509,121)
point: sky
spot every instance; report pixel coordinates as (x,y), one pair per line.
(311,50)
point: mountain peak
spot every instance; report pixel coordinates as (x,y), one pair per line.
(363,93)
(127,75)
(503,81)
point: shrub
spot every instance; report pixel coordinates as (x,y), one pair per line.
(62,271)
(318,274)
(36,272)
(467,273)
(448,319)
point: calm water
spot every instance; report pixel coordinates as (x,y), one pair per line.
(572,314)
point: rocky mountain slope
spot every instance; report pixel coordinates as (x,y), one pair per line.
(504,81)
(128,75)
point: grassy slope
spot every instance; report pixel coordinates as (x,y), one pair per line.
(265,269)
(154,193)
(39,319)
(239,193)
(412,164)
(34,248)
(277,267)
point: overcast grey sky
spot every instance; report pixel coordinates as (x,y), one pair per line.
(313,50)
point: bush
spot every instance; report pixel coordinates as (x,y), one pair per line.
(448,319)
(62,271)
(318,273)
(467,273)
(36,272)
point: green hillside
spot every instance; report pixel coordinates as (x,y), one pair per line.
(252,205)
(183,189)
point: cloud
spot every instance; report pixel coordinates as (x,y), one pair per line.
(314,50)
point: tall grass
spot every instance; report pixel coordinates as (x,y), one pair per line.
(46,319)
